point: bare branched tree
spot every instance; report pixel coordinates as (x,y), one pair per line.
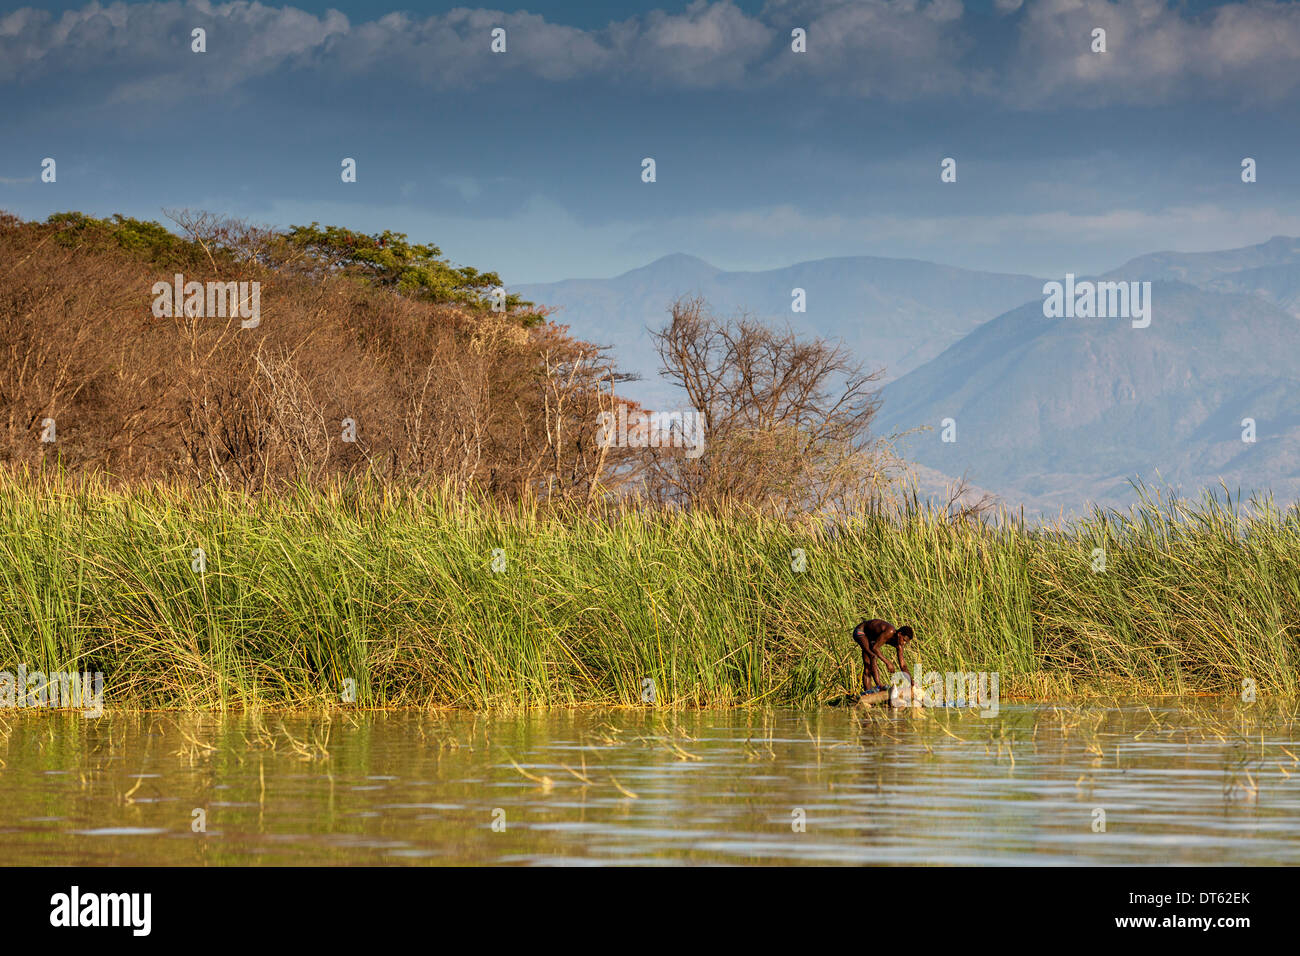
(787,419)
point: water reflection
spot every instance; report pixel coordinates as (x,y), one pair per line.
(1118,782)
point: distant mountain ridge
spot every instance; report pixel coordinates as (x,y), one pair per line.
(1049,413)
(1204,269)
(893,313)
(1052,413)
(1267,270)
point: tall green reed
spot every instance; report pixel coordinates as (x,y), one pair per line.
(388,596)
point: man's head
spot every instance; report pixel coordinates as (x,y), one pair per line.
(904,634)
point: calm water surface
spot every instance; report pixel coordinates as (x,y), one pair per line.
(1185,783)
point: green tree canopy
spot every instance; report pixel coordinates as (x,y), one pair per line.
(147,239)
(388,259)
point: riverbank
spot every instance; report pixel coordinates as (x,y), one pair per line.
(376,596)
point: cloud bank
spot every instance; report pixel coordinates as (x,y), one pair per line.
(1029,55)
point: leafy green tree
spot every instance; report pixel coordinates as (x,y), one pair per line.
(147,239)
(389,260)
(386,259)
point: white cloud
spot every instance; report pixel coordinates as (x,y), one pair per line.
(1155,53)
(893,49)
(143,45)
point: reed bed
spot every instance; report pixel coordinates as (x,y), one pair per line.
(393,596)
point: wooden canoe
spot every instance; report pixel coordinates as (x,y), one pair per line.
(876,697)
(902,697)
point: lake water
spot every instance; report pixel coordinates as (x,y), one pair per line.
(1118,782)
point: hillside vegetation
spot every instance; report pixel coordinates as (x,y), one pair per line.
(367,330)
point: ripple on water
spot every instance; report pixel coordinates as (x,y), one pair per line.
(1191,783)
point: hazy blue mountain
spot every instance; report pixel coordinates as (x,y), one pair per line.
(1050,413)
(1201,268)
(1054,412)
(893,313)
(1270,270)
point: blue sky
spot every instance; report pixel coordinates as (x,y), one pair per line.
(529,161)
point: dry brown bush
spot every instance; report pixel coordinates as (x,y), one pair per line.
(436,392)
